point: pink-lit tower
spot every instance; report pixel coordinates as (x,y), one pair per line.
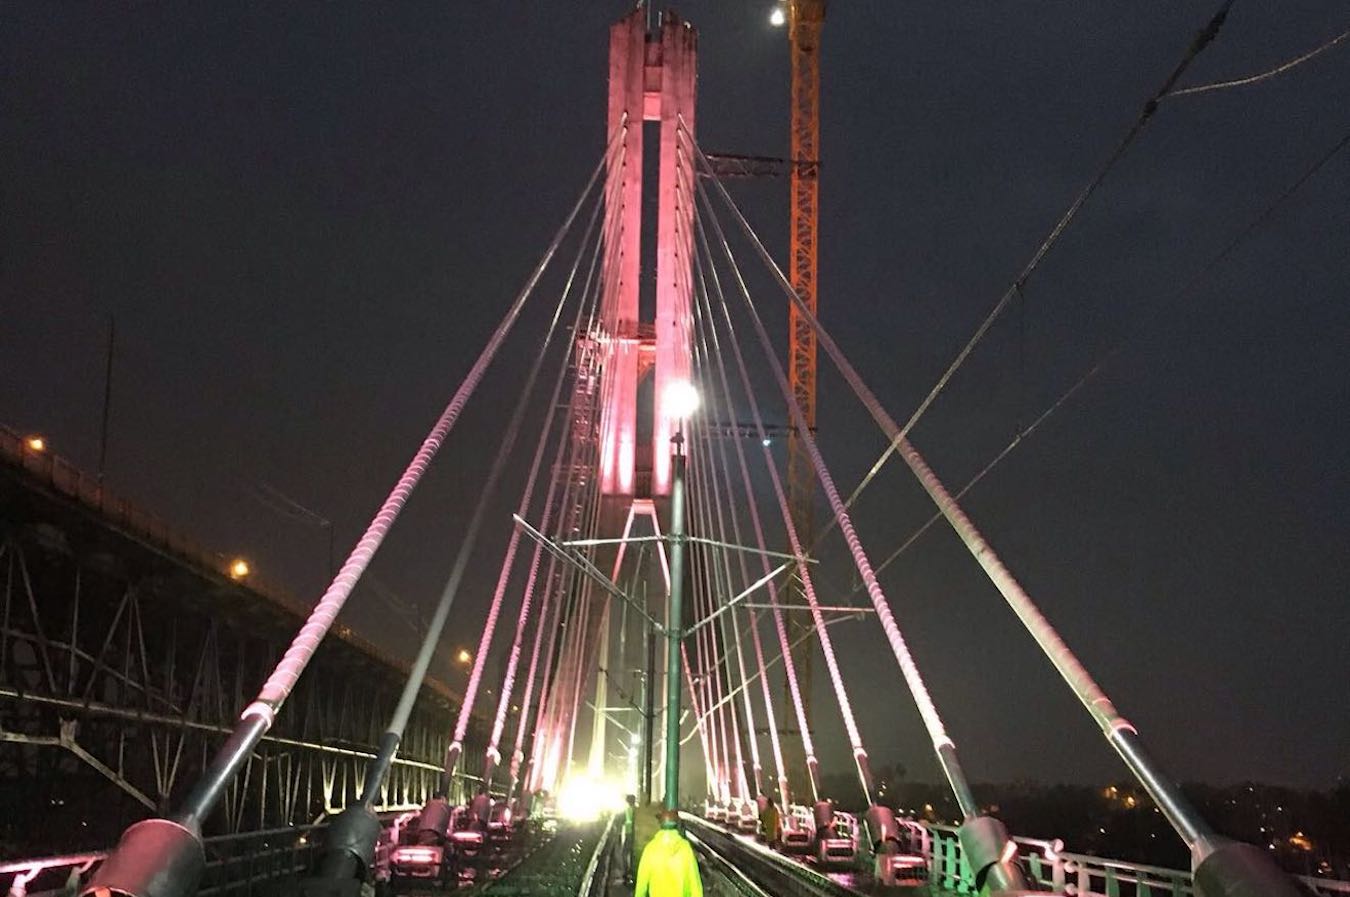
(651,78)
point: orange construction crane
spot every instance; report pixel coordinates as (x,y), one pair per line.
(805,19)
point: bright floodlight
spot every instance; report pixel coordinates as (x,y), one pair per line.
(583,799)
(681,399)
(777,18)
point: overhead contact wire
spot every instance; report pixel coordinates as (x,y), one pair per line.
(1199,42)
(1116,350)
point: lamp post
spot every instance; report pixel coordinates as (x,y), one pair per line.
(680,401)
(675,625)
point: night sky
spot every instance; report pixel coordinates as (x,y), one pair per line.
(307,218)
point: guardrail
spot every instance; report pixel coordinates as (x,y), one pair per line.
(1052,868)
(595,880)
(235,864)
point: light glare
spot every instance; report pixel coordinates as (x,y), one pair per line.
(681,399)
(239,568)
(583,799)
(777,18)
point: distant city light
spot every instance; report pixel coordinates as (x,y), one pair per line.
(766,442)
(464,656)
(239,568)
(778,18)
(36,444)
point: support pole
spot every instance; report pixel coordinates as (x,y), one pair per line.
(107,398)
(648,715)
(675,624)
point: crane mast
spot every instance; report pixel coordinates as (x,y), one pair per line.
(805,20)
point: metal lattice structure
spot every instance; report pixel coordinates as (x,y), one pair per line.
(120,674)
(805,21)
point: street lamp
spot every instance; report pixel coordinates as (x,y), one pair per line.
(239,568)
(464,656)
(681,401)
(35,443)
(778,18)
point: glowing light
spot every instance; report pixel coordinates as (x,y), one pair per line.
(239,568)
(583,799)
(36,444)
(766,442)
(416,855)
(681,399)
(778,18)
(464,656)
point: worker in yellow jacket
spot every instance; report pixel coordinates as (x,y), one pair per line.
(668,867)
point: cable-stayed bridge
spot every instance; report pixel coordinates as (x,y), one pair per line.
(645,604)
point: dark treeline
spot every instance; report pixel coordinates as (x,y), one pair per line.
(1307,831)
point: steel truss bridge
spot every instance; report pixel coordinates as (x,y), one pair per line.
(125,652)
(199,734)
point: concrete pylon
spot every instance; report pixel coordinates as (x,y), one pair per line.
(652,78)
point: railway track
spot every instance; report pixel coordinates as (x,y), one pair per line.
(564,864)
(756,871)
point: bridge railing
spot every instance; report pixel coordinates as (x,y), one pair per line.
(237,865)
(1052,868)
